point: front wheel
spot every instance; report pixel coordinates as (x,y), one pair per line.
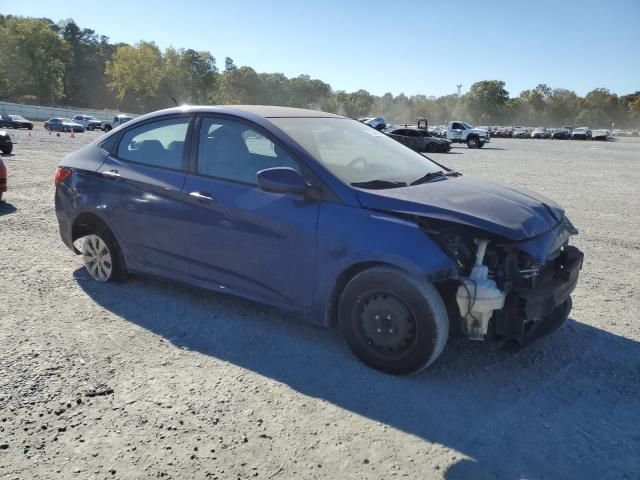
(393,322)
(102,257)
(472,142)
(7,150)
(480,144)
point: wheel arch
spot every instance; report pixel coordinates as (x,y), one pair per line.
(87,223)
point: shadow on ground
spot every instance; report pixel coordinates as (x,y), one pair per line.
(567,406)
(6,208)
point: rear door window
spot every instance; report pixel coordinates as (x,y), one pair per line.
(157,144)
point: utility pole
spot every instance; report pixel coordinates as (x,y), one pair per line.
(459,88)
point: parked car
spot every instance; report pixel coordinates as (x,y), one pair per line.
(539,132)
(503,132)
(601,134)
(581,133)
(63,125)
(15,121)
(561,134)
(521,132)
(6,145)
(3,178)
(117,121)
(419,139)
(87,121)
(376,122)
(323,215)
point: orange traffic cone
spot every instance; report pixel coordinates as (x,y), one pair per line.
(72,135)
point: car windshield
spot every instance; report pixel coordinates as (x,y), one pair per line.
(356,153)
(68,120)
(468,126)
(17,117)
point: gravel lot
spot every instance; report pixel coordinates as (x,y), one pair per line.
(151,380)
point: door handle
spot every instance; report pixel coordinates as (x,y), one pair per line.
(111,173)
(202,195)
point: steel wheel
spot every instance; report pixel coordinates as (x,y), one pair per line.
(97,258)
(393,322)
(386,323)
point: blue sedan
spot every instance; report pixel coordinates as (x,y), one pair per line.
(318,213)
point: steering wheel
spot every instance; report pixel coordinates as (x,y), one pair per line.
(358,160)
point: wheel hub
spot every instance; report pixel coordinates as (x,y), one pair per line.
(387,322)
(97,258)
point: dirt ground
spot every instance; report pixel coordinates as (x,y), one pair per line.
(147,379)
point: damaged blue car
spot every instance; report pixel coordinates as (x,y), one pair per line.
(320,214)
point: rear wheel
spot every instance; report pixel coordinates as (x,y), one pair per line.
(102,257)
(472,142)
(393,322)
(480,144)
(7,150)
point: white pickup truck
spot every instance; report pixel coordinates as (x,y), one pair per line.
(117,121)
(462,132)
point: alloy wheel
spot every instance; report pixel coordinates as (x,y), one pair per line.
(97,258)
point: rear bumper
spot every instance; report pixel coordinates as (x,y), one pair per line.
(63,206)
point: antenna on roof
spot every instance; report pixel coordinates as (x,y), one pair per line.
(175,101)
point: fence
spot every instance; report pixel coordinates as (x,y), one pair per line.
(33,112)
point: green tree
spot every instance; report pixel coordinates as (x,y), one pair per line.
(599,109)
(240,86)
(136,72)
(562,107)
(34,57)
(486,101)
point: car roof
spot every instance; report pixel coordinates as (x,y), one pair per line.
(264,111)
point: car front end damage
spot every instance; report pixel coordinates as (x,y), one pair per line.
(505,290)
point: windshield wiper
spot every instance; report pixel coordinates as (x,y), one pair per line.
(378,184)
(435,175)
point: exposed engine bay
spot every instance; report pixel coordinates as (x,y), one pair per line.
(507,290)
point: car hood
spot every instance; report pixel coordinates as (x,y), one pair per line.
(509,212)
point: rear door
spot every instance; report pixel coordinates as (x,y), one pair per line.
(143,179)
(241,238)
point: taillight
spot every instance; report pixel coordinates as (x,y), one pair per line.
(62,174)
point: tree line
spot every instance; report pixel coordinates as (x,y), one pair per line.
(58,64)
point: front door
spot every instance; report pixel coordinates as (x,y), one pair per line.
(241,238)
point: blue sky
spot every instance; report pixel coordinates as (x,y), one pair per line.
(397,46)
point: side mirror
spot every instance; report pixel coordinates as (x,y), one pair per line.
(282,180)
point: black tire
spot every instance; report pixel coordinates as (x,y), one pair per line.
(472,142)
(118,270)
(107,128)
(414,314)
(7,150)
(480,144)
